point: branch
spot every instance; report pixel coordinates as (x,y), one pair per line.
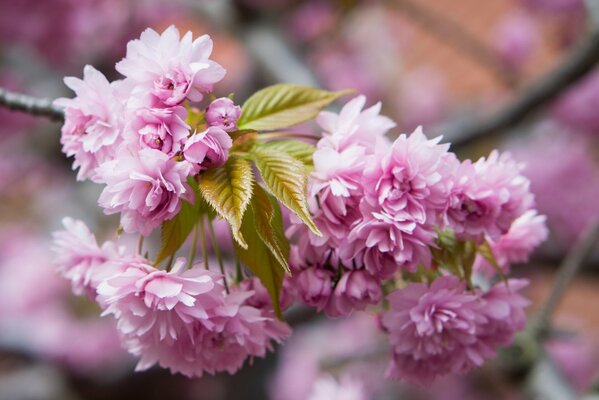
(576,65)
(30,105)
(571,264)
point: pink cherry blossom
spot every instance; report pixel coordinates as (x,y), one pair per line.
(355,291)
(208,149)
(404,240)
(163,129)
(504,308)
(354,126)
(223,113)
(337,183)
(433,330)
(94,120)
(145,186)
(314,286)
(487,196)
(154,308)
(526,233)
(410,179)
(79,257)
(171,68)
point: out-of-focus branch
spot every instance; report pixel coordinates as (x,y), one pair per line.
(266,44)
(456,36)
(30,105)
(575,66)
(571,264)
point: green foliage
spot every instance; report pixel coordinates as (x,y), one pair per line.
(301,151)
(259,256)
(287,179)
(228,189)
(269,225)
(175,231)
(283,105)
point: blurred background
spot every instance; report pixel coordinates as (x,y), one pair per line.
(511,74)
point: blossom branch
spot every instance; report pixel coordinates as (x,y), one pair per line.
(576,65)
(31,105)
(569,267)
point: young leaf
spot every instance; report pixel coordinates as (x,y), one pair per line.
(486,252)
(301,151)
(286,178)
(228,189)
(269,225)
(284,105)
(175,231)
(260,260)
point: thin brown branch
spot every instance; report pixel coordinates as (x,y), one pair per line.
(30,105)
(575,66)
(568,269)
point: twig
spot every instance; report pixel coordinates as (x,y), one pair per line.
(567,270)
(31,105)
(454,35)
(217,253)
(576,66)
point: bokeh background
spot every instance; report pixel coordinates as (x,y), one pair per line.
(449,65)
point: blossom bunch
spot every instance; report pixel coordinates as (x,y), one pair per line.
(135,135)
(400,224)
(409,214)
(182,319)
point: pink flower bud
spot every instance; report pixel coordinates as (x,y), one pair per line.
(223,113)
(209,148)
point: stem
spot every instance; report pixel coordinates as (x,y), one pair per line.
(31,105)
(290,135)
(569,267)
(170,263)
(573,68)
(203,239)
(219,257)
(140,244)
(239,275)
(194,244)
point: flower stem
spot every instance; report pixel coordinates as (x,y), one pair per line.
(194,244)
(288,135)
(203,239)
(219,257)
(140,244)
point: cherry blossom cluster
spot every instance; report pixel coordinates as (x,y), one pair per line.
(407,218)
(132,134)
(143,138)
(182,319)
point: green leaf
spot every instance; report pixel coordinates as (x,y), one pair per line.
(283,105)
(174,232)
(287,179)
(269,225)
(486,252)
(260,260)
(299,150)
(228,189)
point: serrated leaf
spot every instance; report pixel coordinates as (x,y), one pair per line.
(301,151)
(269,225)
(175,231)
(228,189)
(287,179)
(283,105)
(260,260)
